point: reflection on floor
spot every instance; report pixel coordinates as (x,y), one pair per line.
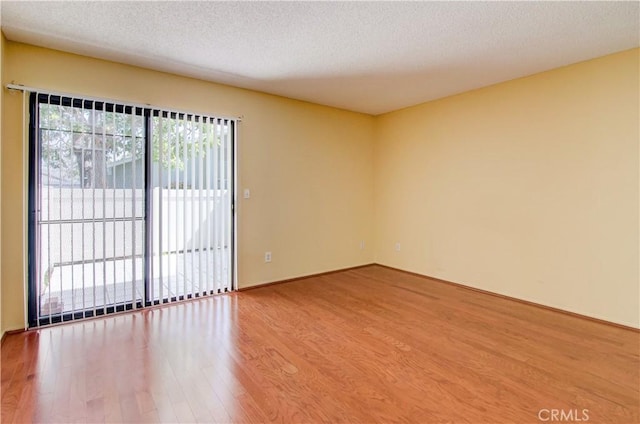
(368,345)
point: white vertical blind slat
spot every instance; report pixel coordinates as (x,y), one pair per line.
(177,194)
(60,215)
(216,204)
(201,277)
(114,131)
(133,210)
(160,204)
(125,234)
(93,204)
(83,223)
(169,232)
(193,209)
(49,148)
(220,194)
(184,207)
(104,209)
(207,205)
(72,249)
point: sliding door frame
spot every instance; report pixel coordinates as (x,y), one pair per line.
(33,209)
(34,184)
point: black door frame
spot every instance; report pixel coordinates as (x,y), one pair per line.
(34,150)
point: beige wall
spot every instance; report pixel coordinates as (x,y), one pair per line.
(528,188)
(2,49)
(309,167)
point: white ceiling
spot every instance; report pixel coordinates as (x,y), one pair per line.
(370,57)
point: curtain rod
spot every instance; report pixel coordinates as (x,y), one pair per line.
(24,88)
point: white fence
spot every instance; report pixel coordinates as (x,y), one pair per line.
(87,224)
(189,219)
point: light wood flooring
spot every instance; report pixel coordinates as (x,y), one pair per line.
(368,345)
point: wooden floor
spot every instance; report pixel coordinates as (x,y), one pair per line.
(360,346)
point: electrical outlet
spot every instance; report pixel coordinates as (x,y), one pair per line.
(398,247)
(361,244)
(267,257)
(247,193)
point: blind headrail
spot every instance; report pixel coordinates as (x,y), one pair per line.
(24,88)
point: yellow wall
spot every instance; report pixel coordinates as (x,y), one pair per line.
(309,167)
(2,49)
(528,188)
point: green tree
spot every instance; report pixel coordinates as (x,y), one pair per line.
(77,144)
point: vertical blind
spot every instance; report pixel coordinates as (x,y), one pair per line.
(130,207)
(192,205)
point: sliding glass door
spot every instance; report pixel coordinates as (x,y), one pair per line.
(191,198)
(130,207)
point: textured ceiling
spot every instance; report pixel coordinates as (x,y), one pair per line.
(370,57)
